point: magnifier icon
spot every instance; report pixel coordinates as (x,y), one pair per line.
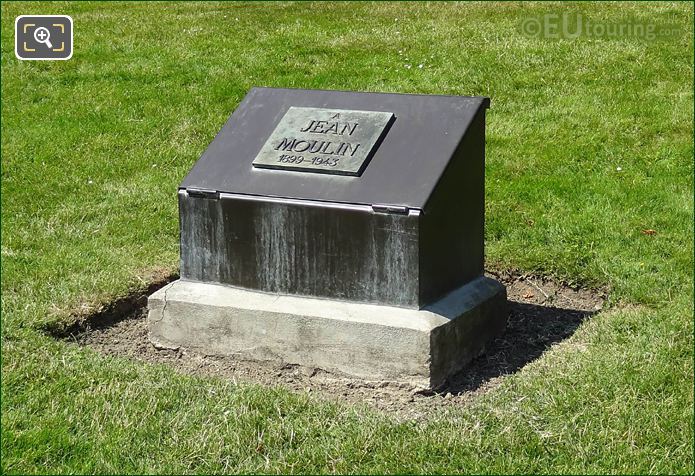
(42,35)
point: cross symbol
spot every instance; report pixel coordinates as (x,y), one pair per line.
(42,35)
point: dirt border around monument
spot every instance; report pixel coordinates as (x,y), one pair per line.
(543,312)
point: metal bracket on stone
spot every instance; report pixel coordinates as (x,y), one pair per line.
(399,209)
(203,193)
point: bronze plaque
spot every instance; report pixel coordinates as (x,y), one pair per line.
(330,141)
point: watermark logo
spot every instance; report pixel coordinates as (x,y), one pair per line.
(43,37)
(569,26)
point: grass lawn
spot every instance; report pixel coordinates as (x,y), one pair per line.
(590,142)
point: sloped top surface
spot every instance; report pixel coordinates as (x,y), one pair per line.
(404,169)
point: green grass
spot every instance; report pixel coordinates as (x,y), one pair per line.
(93,149)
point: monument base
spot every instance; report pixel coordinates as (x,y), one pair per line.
(369,341)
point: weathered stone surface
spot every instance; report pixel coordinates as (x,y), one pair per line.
(364,340)
(405,232)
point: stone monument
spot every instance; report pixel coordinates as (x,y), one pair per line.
(339,230)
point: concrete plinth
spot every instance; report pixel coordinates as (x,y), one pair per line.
(369,341)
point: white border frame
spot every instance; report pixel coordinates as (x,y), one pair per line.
(16,39)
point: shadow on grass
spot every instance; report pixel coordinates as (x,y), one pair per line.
(125,307)
(530,331)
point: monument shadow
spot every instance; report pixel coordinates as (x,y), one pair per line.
(531,330)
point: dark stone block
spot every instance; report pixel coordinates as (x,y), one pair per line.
(405,232)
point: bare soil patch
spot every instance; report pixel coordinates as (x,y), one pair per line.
(542,313)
